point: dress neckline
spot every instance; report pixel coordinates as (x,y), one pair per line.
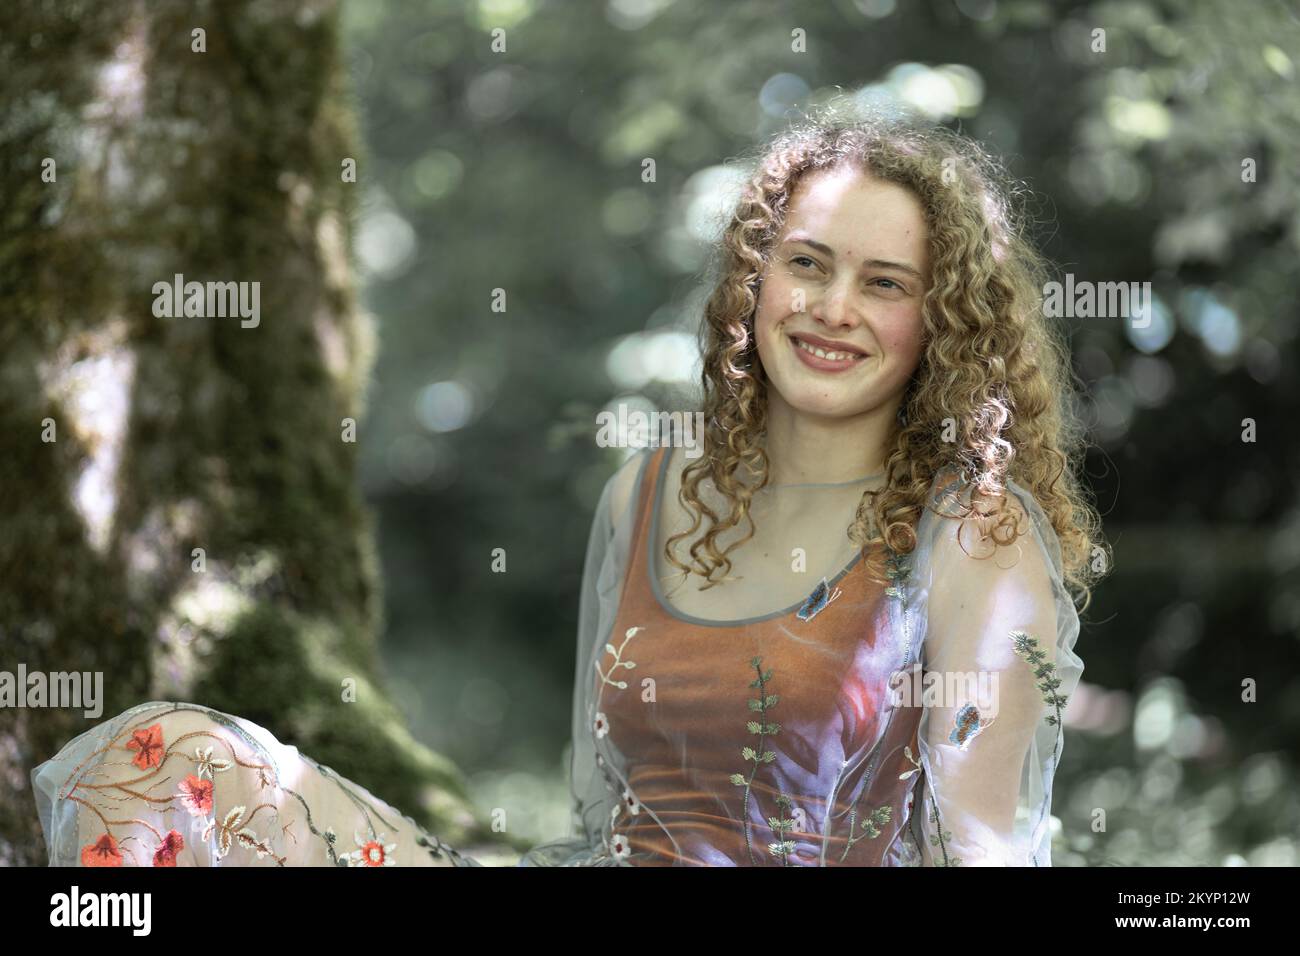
(652,536)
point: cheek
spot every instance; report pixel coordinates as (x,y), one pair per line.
(774,297)
(905,340)
(774,305)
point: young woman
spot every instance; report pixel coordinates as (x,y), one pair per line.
(843,635)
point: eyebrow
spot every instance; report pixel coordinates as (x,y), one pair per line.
(877,263)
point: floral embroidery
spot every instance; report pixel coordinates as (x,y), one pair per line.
(149,743)
(1027,647)
(817,601)
(916,768)
(762,727)
(228,835)
(196,795)
(630,803)
(172,844)
(618,661)
(941,837)
(437,849)
(372,852)
(206,765)
(102,791)
(873,821)
(780,825)
(619,848)
(897,570)
(102,852)
(870,827)
(616,845)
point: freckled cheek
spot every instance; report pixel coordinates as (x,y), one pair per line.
(901,339)
(775,303)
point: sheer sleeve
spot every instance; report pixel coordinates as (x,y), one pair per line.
(177,784)
(592,800)
(999,631)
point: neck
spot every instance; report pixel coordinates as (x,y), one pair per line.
(805,448)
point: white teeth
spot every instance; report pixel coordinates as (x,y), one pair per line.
(822,353)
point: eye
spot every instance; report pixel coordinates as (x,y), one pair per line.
(801,259)
(892,284)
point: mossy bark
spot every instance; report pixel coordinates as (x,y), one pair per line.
(223,165)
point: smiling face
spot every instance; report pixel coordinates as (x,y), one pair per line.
(838,320)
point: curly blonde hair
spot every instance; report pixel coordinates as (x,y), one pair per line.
(991,366)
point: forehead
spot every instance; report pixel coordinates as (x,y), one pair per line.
(858,215)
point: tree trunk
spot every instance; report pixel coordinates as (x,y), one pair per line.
(174,434)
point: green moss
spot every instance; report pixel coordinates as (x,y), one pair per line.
(286,671)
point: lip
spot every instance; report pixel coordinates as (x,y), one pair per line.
(823,364)
(827,344)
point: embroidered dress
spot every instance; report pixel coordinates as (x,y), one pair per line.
(799,714)
(915,723)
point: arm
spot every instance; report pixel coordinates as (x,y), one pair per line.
(998,644)
(602,584)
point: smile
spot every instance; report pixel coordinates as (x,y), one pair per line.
(825,359)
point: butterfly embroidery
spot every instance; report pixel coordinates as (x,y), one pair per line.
(820,597)
(968,726)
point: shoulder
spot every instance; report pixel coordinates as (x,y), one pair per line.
(986,570)
(968,530)
(626,480)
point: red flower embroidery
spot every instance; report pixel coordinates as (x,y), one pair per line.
(373,852)
(150,744)
(196,796)
(165,855)
(102,853)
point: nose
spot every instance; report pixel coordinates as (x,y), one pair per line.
(836,308)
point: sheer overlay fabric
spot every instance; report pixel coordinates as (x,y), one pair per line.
(175,784)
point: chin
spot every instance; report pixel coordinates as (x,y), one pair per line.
(819,404)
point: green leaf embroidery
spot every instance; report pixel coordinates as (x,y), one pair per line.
(758,756)
(870,826)
(941,838)
(1027,647)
